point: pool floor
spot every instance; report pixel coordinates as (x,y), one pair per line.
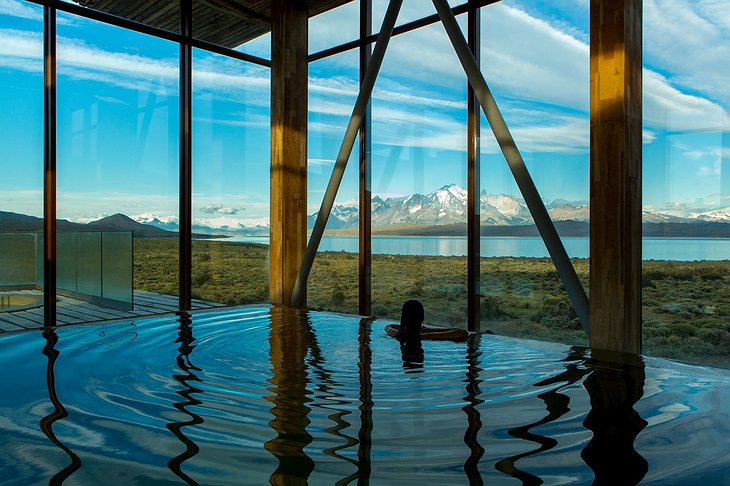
(277,396)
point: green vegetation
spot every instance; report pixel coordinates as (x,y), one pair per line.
(686,304)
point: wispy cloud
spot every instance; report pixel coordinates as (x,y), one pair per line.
(21,9)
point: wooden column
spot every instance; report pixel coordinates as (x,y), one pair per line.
(365,195)
(288,146)
(473,225)
(615,265)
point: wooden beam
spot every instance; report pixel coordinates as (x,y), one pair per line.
(288,146)
(615,87)
(237,10)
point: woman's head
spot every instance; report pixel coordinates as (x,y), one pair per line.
(411,319)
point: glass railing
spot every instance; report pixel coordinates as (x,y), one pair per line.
(93,266)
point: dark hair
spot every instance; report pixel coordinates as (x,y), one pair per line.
(411,319)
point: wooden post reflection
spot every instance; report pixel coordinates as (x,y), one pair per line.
(614,388)
(288,351)
(474,417)
(59,411)
(365,433)
(556,405)
(186,340)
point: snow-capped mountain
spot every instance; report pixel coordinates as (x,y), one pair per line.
(448,205)
(721,215)
(167,223)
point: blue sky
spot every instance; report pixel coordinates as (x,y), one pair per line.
(118,112)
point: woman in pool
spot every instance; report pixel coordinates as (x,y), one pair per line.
(411,330)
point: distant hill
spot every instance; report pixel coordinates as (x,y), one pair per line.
(121,222)
(116,222)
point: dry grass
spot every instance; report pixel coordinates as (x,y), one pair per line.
(686,309)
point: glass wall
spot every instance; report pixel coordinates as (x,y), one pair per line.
(118,162)
(686,183)
(535,60)
(419,174)
(21,160)
(410,11)
(333,88)
(231,119)
(334,27)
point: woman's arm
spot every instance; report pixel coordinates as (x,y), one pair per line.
(392,329)
(444,333)
(433,333)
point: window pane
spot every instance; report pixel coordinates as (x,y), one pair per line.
(334,27)
(410,11)
(21,162)
(231,119)
(117,168)
(333,88)
(686,183)
(535,61)
(419,179)
(260,46)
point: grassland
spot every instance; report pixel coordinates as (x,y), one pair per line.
(686,310)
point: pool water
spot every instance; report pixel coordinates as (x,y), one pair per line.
(259,396)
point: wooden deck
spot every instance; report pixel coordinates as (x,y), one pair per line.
(73,311)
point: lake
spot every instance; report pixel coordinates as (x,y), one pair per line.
(681,249)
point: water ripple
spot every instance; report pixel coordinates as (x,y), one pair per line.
(275,395)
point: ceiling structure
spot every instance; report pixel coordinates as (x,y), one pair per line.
(227,23)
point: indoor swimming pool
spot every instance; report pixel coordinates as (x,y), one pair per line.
(259,395)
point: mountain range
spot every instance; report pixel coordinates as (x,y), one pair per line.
(439,213)
(447,206)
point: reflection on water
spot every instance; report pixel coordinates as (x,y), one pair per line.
(334,405)
(556,404)
(59,411)
(289,380)
(471,409)
(614,389)
(186,380)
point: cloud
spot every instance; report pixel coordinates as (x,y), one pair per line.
(241,82)
(690,42)
(666,107)
(21,10)
(219,209)
(223,222)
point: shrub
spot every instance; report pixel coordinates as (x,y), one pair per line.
(681,330)
(491,308)
(201,275)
